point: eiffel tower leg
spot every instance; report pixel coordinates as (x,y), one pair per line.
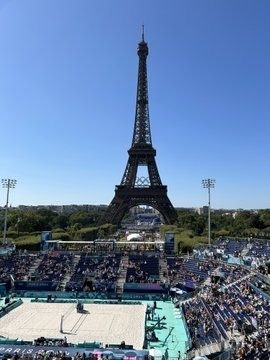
(126,198)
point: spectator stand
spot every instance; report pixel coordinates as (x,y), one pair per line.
(226,297)
(95,274)
(142,269)
(15,265)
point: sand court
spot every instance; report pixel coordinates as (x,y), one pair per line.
(105,323)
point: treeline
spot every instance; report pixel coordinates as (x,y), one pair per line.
(240,223)
(83,225)
(25,226)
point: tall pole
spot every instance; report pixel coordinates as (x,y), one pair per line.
(7,183)
(208,184)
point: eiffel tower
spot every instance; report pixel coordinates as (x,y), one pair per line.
(144,190)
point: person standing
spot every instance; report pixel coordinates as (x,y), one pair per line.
(166,354)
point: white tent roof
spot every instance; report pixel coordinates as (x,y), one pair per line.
(134,237)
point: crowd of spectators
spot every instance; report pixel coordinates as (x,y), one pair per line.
(199,323)
(239,310)
(253,346)
(105,274)
(181,269)
(259,249)
(142,269)
(54,266)
(16,264)
(230,246)
(230,306)
(226,274)
(42,341)
(94,273)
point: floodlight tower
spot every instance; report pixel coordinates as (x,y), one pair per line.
(7,183)
(209,184)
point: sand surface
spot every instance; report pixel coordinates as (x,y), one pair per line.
(106,323)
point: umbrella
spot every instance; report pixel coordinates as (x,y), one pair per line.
(155,352)
(108,353)
(98,353)
(118,352)
(118,355)
(130,355)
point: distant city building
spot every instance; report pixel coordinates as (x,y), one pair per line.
(73,208)
(60,209)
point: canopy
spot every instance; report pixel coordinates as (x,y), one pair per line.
(134,237)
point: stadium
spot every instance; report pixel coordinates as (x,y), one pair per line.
(65,104)
(136,300)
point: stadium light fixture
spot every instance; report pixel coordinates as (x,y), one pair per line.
(8,184)
(209,184)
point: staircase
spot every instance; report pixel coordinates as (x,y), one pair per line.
(122,275)
(163,269)
(246,250)
(210,349)
(68,275)
(33,267)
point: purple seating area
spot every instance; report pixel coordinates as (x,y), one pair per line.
(142,269)
(85,265)
(230,273)
(223,313)
(201,269)
(253,348)
(95,274)
(238,307)
(219,318)
(256,310)
(200,325)
(180,270)
(54,267)
(231,246)
(16,265)
(259,249)
(255,304)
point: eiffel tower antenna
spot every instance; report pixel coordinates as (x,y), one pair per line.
(134,190)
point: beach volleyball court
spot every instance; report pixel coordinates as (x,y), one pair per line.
(105,323)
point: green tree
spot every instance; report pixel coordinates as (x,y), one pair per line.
(61,221)
(83,218)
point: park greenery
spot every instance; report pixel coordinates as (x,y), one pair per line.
(24,226)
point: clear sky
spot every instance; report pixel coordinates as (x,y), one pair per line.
(68,78)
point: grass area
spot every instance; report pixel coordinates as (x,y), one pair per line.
(184,239)
(27,241)
(187,241)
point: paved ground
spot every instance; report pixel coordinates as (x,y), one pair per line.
(107,323)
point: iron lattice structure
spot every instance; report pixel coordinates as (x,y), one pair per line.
(134,190)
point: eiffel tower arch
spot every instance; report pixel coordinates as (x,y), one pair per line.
(145,190)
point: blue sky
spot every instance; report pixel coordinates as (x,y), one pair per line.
(68,73)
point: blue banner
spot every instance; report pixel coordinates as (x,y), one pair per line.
(29,350)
